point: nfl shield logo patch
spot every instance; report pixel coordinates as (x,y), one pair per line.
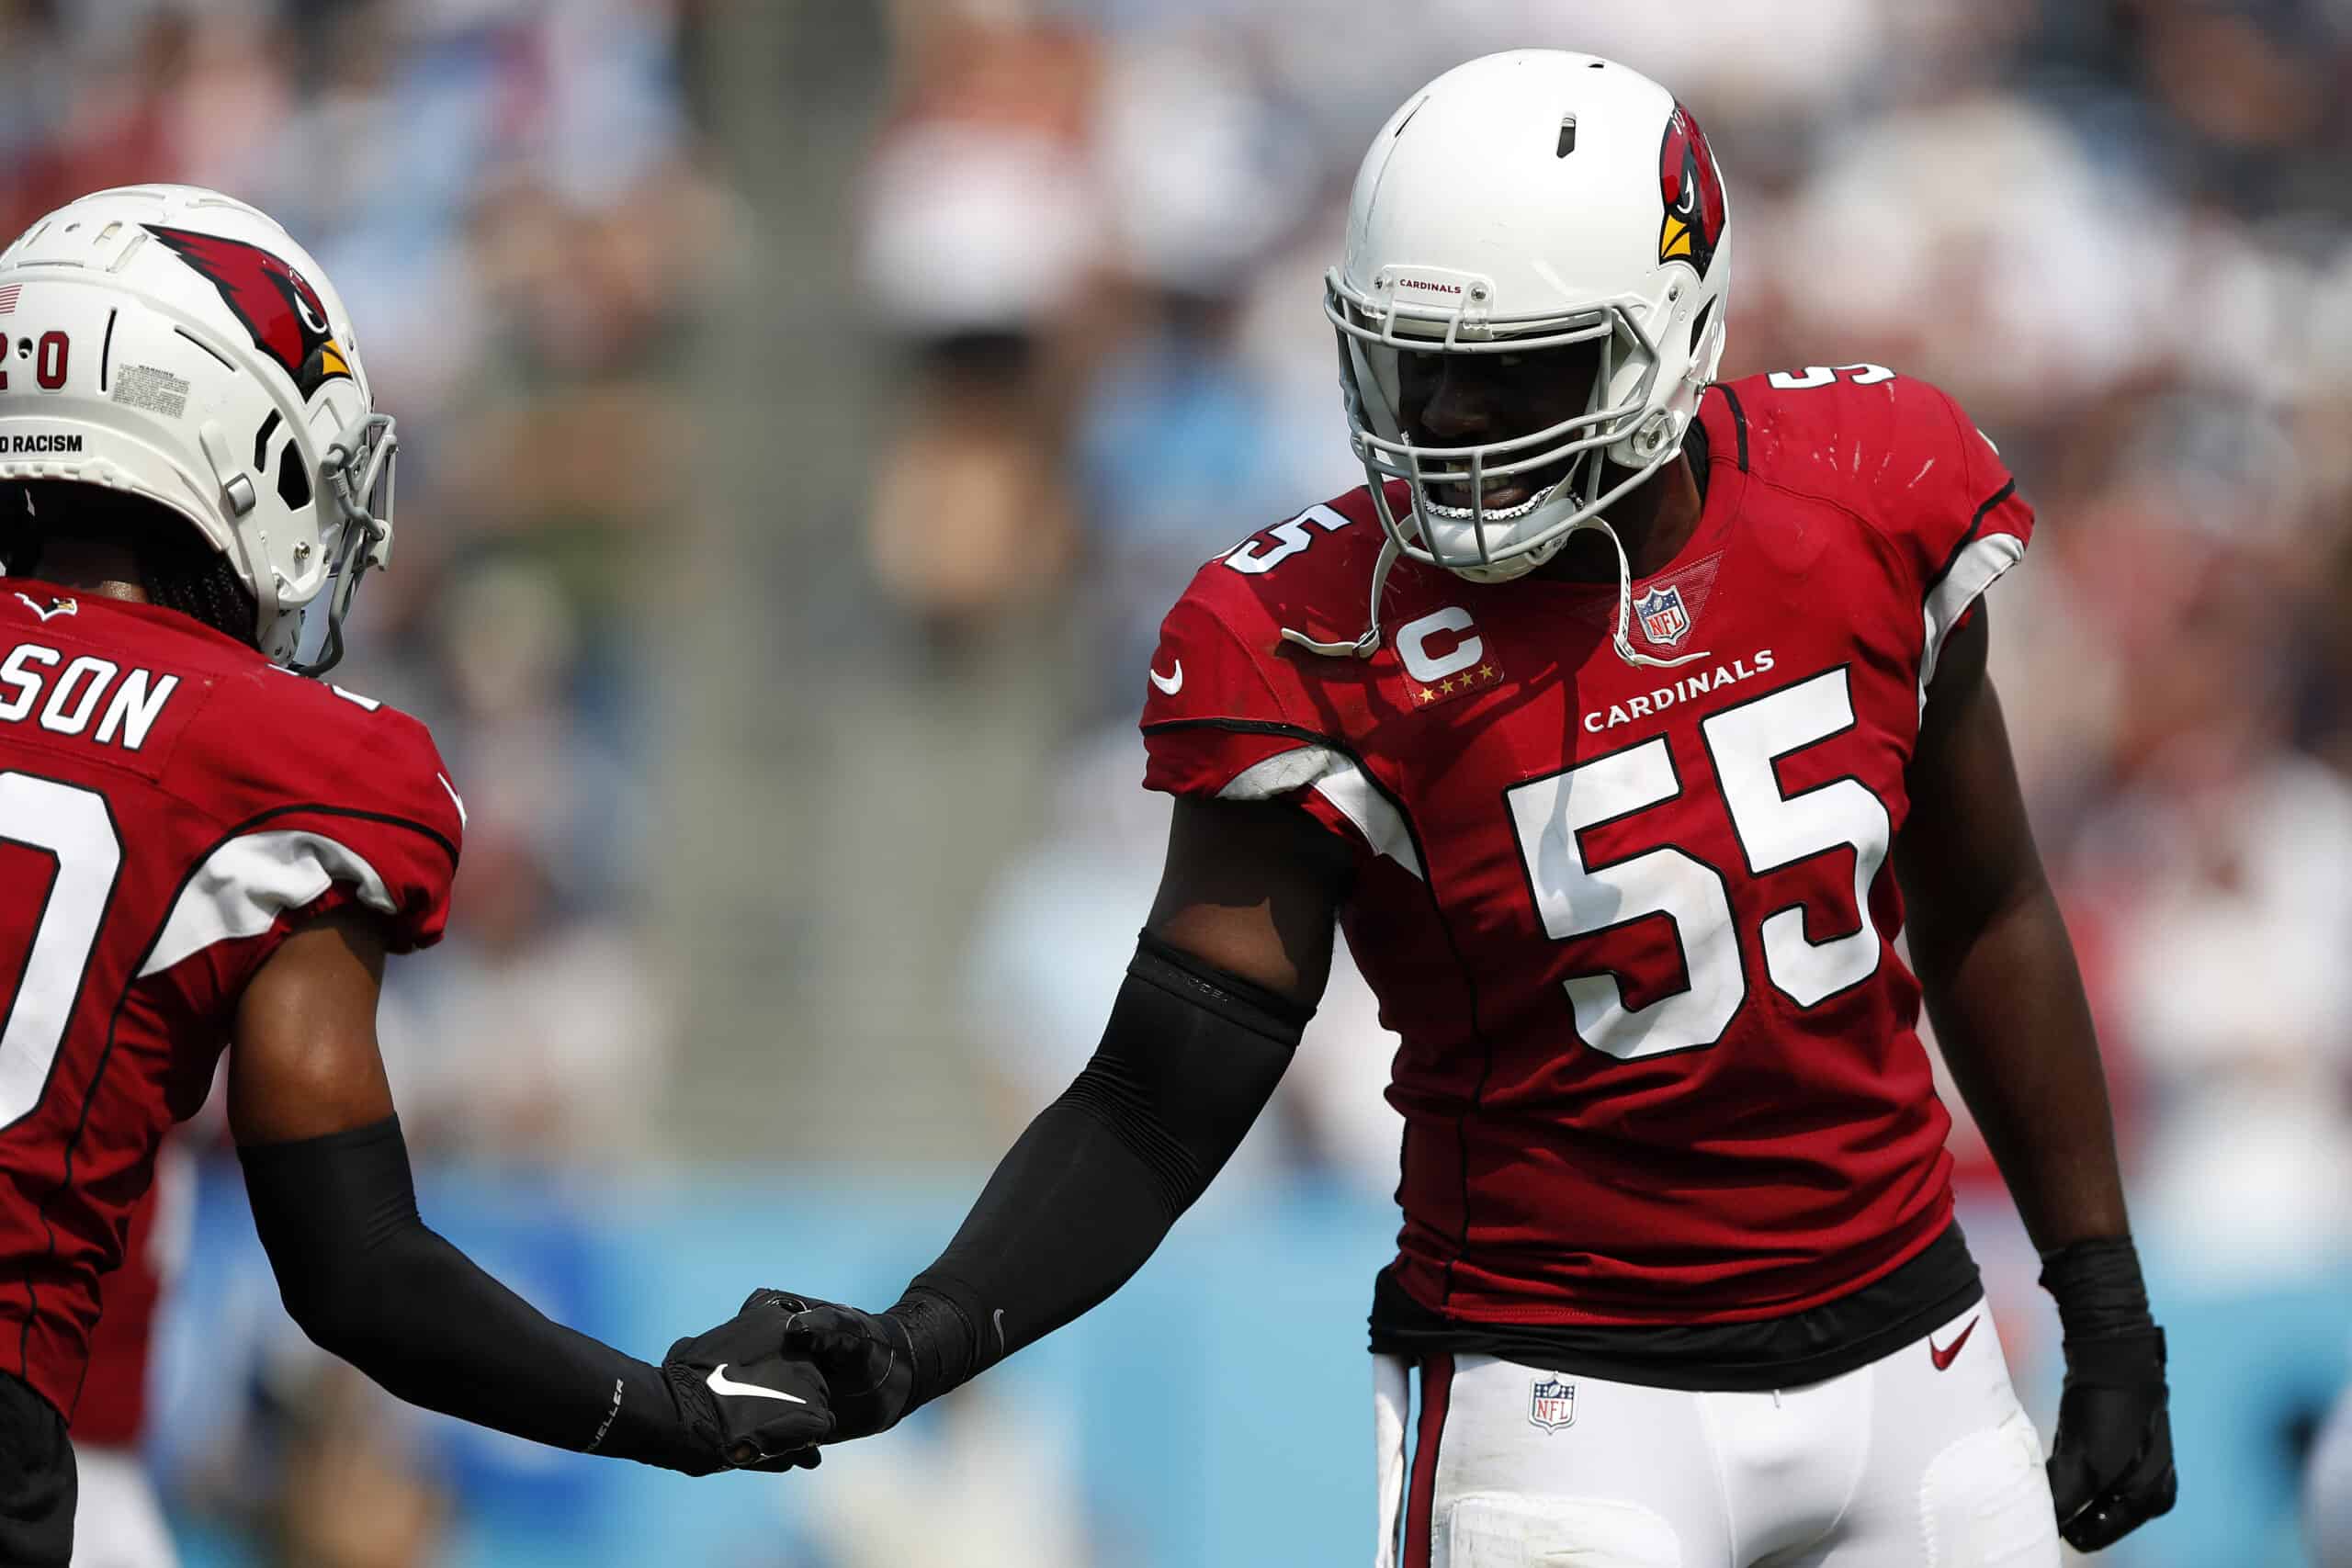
(1552,1403)
(1663,618)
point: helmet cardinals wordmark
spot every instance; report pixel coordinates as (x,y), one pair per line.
(277,305)
(1693,189)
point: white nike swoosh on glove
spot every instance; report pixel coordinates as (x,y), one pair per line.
(721,1383)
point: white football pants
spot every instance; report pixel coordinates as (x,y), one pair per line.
(116,1521)
(2328,1491)
(1900,1463)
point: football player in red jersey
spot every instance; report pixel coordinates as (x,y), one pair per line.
(198,847)
(1618,719)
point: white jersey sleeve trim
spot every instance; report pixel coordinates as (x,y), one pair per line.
(246,885)
(1978,567)
(1337,779)
(1283,772)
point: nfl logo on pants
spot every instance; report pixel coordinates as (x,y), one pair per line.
(1552,1403)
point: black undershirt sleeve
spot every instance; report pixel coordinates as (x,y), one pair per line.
(365,1279)
(1189,1057)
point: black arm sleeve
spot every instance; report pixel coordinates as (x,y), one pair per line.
(363,1278)
(1189,1057)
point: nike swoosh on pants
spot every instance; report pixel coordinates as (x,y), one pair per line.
(1943,1358)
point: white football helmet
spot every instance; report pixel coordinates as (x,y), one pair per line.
(176,344)
(1522,201)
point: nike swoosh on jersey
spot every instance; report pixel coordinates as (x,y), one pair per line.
(1943,1358)
(721,1383)
(454,799)
(1170,683)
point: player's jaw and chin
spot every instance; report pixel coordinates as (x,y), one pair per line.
(1467,416)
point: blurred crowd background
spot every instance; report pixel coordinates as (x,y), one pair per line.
(809,411)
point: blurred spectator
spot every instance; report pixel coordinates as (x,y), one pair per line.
(537,1031)
(351,1499)
(538,1037)
(983,1471)
(1182,445)
(981,237)
(1052,947)
(309,1464)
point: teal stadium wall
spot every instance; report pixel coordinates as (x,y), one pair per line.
(1216,1410)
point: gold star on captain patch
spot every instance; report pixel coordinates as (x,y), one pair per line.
(1427,696)
(1486,671)
(1446,686)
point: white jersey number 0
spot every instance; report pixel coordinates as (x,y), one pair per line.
(73,828)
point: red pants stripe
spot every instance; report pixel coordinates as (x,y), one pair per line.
(1421,1494)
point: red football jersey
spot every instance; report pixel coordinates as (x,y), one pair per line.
(169,801)
(112,1411)
(1634,925)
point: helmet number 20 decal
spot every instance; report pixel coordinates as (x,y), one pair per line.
(50,355)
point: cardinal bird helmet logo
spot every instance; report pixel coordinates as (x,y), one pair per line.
(1693,189)
(277,305)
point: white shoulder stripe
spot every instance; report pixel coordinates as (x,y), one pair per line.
(1337,779)
(246,883)
(1977,568)
(1283,772)
(1375,816)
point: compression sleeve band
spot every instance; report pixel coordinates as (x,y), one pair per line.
(1191,1056)
(365,1279)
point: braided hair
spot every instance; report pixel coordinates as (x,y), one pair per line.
(178,566)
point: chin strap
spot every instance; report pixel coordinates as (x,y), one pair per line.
(1621,638)
(1363,647)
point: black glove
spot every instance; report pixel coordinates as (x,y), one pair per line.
(2110,1468)
(866,1359)
(743,1400)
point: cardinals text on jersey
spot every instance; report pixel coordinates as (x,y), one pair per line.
(169,801)
(1634,925)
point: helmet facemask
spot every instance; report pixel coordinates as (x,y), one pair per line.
(1479,542)
(357,469)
